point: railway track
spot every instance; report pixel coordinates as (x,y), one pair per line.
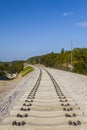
(45,107)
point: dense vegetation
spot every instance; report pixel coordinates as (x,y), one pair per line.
(62,60)
(14,67)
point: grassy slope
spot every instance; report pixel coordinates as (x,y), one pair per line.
(26,70)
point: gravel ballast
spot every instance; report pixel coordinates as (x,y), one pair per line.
(74,84)
(8,101)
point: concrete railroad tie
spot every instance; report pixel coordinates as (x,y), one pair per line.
(45,106)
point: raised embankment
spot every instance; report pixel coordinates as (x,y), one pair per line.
(45,105)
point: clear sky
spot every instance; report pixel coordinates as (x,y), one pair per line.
(35,27)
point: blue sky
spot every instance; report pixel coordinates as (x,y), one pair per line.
(35,27)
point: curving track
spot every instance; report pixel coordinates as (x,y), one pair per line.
(45,107)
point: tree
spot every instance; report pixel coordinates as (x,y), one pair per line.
(62,50)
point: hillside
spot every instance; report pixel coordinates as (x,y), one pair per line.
(62,60)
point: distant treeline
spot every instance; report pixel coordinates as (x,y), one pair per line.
(63,61)
(60,60)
